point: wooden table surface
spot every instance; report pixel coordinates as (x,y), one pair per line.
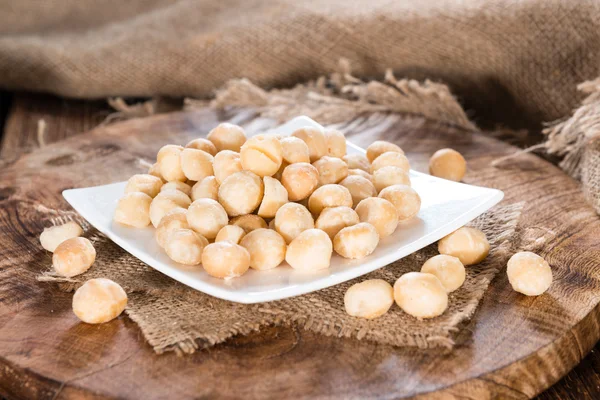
(20,116)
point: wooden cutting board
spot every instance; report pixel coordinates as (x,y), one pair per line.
(514,348)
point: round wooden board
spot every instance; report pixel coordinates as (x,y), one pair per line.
(514,348)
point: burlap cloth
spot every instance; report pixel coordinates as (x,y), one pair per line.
(173,317)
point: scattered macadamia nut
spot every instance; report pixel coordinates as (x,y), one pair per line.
(177,185)
(420,295)
(207,188)
(227,136)
(170,222)
(449,270)
(369,299)
(204,145)
(274,197)
(241,193)
(164,202)
(169,160)
(356,241)
(388,176)
(196,164)
(225,164)
(331,170)
(249,222)
(357,161)
(336,143)
(467,244)
(300,180)
(266,247)
(55,235)
(207,217)
(380,213)
(360,172)
(310,251)
(98,301)
(232,233)
(154,170)
(133,209)
(390,158)
(529,273)
(294,150)
(404,198)
(448,164)
(185,246)
(262,154)
(73,257)
(292,219)
(144,183)
(329,196)
(379,147)
(334,219)
(359,187)
(315,140)
(225,260)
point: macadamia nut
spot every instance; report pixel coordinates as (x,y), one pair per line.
(315,140)
(207,217)
(73,257)
(99,300)
(420,295)
(356,241)
(262,154)
(225,260)
(185,246)
(300,180)
(380,213)
(164,202)
(133,209)
(144,183)
(225,164)
(331,169)
(390,158)
(154,170)
(449,270)
(232,233)
(294,150)
(249,222)
(292,219)
(177,185)
(467,244)
(379,147)
(448,164)
(266,247)
(359,187)
(404,198)
(241,193)
(196,164)
(336,143)
(334,219)
(529,273)
(329,196)
(357,161)
(388,176)
(227,136)
(169,161)
(369,299)
(204,145)
(55,235)
(207,188)
(274,197)
(360,172)
(310,251)
(170,222)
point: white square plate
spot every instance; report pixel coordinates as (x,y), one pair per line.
(446,206)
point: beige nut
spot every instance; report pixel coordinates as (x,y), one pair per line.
(204,145)
(310,251)
(232,233)
(356,241)
(207,188)
(357,161)
(449,270)
(275,196)
(144,183)
(379,147)
(169,161)
(133,209)
(404,198)
(467,244)
(177,185)
(390,158)
(241,193)
(380,213)
(360,172)
(55,235)
(73,257)
(196,164)
(333,219)
(448,164)
(170,222)
(227,136)
(388,176)
(292,219)
(154,170)
(262,154)
(369,299)
(165,202)
(314,139)
(329,196)
(266,247)
(336,143)
(225,260)
(249,222)
(300,180)
(99,300)
(207,217)
(420,295)
(331,170)
(225,164)
(294,150)
(529,273)
(185,246)
(359,187)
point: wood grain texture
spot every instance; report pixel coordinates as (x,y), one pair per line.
(514,348)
